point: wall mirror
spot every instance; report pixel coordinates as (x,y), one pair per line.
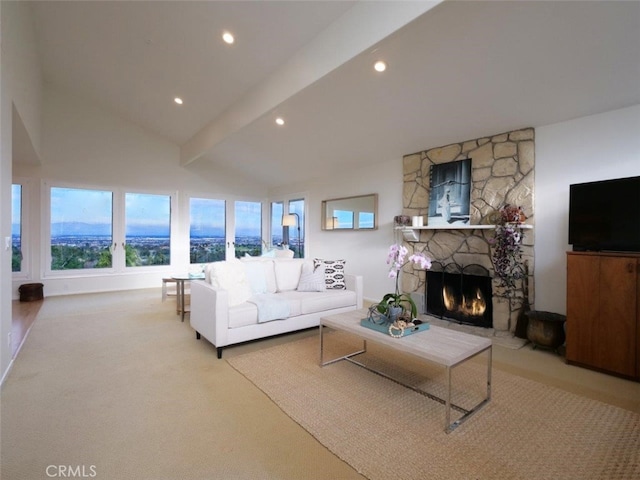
(351,213)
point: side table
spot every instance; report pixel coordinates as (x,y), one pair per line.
(180,281)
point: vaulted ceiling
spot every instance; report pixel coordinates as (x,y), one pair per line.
(456,70)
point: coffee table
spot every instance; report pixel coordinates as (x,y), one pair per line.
(442,346)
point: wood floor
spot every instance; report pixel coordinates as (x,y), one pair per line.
(23,315)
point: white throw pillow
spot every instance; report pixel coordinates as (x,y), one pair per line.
(269,271)
(287,273)
(312,280)
(231,275)
(256,276)
(284,253)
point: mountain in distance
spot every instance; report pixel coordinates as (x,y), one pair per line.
(218,232)
(207,231)
(83,229)
(147,231)
(78,229)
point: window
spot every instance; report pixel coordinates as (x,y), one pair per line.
(81,228)
(277,210)
(207,231)
(147,229)
(294,235)
(16,228)
(296,239)
(248,228)
(104,230)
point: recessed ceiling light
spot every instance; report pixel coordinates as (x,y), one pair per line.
(228,38)
(380,66)
(280,121)
(178,100)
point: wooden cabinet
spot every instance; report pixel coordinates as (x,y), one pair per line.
(603,312)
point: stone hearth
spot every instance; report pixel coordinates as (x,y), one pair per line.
(502,172)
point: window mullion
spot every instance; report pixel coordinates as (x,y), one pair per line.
(118,231)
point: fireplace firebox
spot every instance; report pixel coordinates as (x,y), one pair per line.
(461,294)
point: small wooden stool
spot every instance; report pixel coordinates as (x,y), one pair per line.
(165,293)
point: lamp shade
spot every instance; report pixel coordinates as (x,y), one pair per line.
(288,220)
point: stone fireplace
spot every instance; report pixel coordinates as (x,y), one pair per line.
(502,172)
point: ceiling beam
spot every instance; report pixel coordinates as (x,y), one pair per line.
(361,27)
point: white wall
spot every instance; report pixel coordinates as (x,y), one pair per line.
(597,147)
(365,251)
(20,89)
(84,146)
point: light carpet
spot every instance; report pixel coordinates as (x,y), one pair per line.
(386,431)
(113,386)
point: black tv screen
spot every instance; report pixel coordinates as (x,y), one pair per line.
(605,215)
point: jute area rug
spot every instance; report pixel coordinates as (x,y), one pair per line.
(386,431)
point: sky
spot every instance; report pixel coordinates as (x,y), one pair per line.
(95,207)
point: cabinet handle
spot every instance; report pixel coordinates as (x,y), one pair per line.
(630,266)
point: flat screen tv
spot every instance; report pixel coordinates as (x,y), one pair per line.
(605,215)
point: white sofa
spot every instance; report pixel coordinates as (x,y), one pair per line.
(234,302)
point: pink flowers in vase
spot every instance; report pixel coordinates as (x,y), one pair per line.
(397,258)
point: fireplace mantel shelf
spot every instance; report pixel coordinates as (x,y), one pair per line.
(410,235)
(456,227)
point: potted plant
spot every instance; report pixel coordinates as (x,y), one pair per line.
(507,260)
(396,304)
(507,247)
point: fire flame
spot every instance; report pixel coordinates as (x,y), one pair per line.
(449,299)
(474,306)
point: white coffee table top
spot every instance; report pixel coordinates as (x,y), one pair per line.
(441,345)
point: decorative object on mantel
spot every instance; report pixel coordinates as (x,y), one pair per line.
(507,243)
(398,306)
(402,220)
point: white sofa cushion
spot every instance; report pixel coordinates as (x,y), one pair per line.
(287,274)
(242,315)
(313,302)
(230,275)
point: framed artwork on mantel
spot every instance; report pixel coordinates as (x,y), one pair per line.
(450,193)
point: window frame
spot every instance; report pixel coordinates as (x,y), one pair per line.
(26,188)
(271,223)
(118,231)
(286,200)
(188,221)
(230,221)
(172,212)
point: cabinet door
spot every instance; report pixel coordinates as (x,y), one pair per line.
(583,299)
(602,312)
(617,330)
